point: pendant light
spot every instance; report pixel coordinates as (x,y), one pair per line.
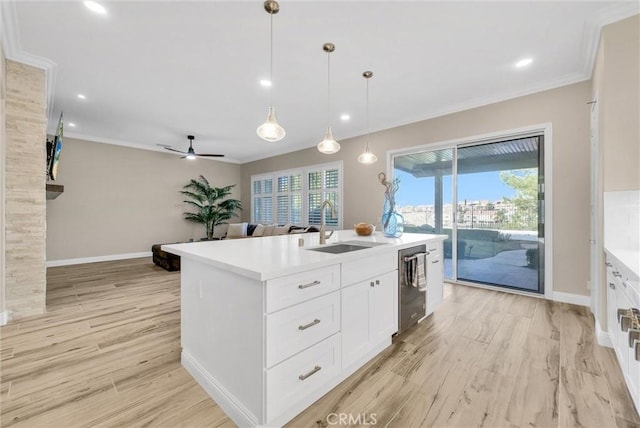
(367,157)
(328,145)
(270,130)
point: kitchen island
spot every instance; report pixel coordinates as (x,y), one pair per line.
(269,326)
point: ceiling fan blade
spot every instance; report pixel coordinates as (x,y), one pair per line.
(174,150)
(210,155)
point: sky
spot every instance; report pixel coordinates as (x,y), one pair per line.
(472,187)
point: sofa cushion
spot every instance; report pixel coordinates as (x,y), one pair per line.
(259,230)
(237,230)
(268,230)
(282,230)
(251,229)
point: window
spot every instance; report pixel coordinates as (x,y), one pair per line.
(295,196)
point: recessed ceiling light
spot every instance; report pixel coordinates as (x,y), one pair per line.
(95,7)
(82,97)
(524,62)
(71,125)
(266,83)
(345,117)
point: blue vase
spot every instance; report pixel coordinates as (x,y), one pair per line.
(392,222)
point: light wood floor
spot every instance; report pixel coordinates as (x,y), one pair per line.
(107,354)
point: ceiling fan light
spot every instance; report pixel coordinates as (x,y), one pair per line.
(270,130)
(328,145)
(367,157)
(191,156)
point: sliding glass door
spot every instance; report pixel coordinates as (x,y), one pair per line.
(488,198)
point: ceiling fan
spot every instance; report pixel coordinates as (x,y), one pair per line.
(190,153)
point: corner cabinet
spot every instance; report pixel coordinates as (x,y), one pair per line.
(266,350)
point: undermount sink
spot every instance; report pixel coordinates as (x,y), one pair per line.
(346,247)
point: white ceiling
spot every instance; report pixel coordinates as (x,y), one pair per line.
(154,72)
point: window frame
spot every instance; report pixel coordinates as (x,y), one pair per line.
(304,171)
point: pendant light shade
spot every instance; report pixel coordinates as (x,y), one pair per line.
(270,130)
(367,157)
(328,145)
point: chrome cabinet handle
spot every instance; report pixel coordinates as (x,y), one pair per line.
(432,249)
(436,261)
(608,264)
(311,284)
(634,336)
(612,286)
(625,323)
(315,370)
(637,345)
(617,274)
(311,324)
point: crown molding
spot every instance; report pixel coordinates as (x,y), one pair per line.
(139,146)
(13,51)
(593,30)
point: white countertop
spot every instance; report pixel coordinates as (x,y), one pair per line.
(269,257)
(629,258)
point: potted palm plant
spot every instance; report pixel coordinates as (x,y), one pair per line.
(211,207)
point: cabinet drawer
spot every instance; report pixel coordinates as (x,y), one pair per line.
(295,379)
(293,289)
(368,267)
(293,329)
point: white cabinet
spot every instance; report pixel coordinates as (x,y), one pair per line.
(369,316)
(623,302)
(435,278)
(612,317)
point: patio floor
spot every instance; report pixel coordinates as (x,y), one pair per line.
(506,268)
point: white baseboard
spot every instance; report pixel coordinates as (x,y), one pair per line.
(574,299)
(223,398)
(602,336)
(83,260)
(4,317)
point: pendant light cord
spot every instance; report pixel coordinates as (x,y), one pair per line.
(271,63)
(329,89)
(367,121)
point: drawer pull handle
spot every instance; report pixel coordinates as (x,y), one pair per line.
(637,345)
(608,264)
(311,324)
(315,370)
(625,323)
(436,261)
(612,286)
(432,249)
(311,284)
(634,336)
(617,274)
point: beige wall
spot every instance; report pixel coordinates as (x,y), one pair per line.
(120,200)
(3,84)
(621,87)
(564,107)
(25,209)
(616,87)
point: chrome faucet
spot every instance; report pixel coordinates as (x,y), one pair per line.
(323,236)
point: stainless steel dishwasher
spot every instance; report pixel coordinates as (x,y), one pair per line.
(412,301)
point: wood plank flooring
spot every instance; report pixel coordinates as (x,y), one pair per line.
(107,353)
